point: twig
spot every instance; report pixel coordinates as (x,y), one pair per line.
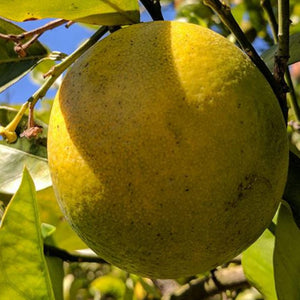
(18,37)
(69,257)
(224,12)
(282,54)
(9,131)
(222,279)
(266,5)
(154,9)
(292,97)
(20,48)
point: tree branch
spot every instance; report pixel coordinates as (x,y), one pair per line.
(220,280)
(282,54)
(68,257)
(267,7)
(38,31)
(292,97)
(154,9)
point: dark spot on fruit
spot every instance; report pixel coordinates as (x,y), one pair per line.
(187,190)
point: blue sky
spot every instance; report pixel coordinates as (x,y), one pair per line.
(59,39)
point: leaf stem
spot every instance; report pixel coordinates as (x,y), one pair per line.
(154,9)
(69,257)
(224,12)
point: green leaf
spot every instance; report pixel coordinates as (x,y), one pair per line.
(12,162)
(63,237)
(12,67)
(103,12)
(292,188)
(42,68)
(268,56)
(286,256)
(36,146)
(56,271)
(257,262)
(24,274)
(47,230)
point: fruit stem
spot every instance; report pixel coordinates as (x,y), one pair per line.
(154,9)
(224,12)
(9,132)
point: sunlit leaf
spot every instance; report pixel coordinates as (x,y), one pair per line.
(41,69)
(257,262)
(12,67)
(12,162)
(292,188)
(24,274)
(268,56)
(63,236)
(47,230)
(56,271)
(286,256)
(103,12)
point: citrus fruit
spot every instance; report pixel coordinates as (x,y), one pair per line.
(167,149)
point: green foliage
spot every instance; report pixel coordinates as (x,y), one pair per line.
(104,12)
(63,236)
(292,189)
(257,262)
(268,56)
(24,274)
(12,162)
(286,256)
(13,67)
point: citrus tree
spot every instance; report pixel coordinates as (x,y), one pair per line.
(122,83)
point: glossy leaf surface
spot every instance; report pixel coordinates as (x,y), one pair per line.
(286,256)
(103,12)
(13,67)
(24,274)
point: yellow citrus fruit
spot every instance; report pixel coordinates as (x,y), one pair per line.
(167,149)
